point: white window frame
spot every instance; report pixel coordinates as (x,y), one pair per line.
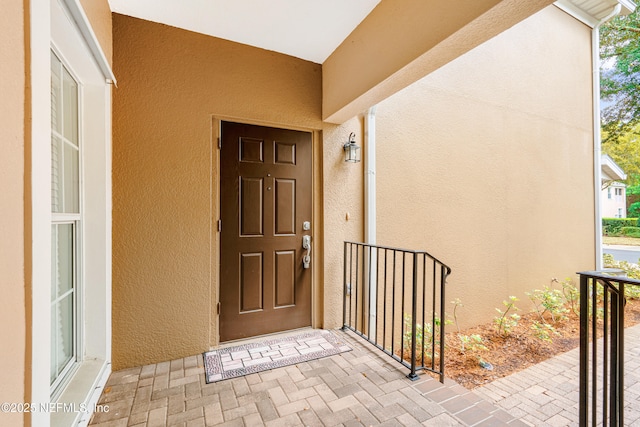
(63,26)
(77,220)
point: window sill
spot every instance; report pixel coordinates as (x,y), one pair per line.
(78,400)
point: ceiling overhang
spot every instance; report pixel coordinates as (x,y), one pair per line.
(594,12)
(369,49)
(307,29)
(401,41)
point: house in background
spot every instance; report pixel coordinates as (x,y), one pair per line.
(613,197)
(158,182)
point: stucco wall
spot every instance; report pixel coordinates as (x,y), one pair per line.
(12,210)
(171,83)
(99,14)
(415,37)
(343,211)
(488,164)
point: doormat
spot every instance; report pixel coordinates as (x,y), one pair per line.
(245,359)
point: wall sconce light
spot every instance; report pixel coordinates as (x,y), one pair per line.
(351,150)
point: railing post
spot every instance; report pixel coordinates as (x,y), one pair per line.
(344,293)
(414,314)
(584,351)
(617,358)
(614,410)
(443,278)
(620,338)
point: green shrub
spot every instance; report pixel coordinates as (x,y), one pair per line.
(473,343)
(504,323)
(613,226)
(543,331)
(630,231)
(550,301)
(632,270)
(426,336)
(634,210)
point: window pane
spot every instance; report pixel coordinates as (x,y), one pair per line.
(62,259)
(56,174)
(70,101)
(54,351)
(65,198)
(65,331)
(54,261)
(71,180)
(56,94)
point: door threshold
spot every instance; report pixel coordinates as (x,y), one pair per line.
(261,337)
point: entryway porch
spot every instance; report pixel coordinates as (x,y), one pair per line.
(360,387)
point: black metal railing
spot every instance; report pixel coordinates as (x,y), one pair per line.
(602,301)
(394,298)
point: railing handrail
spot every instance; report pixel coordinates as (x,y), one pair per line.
(609,277)
(409,251)
(373,286)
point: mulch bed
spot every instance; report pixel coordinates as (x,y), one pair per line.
(517,351)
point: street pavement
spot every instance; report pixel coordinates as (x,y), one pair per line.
(623,252)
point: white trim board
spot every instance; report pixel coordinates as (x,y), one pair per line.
(89,36)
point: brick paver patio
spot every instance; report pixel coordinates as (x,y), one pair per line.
(356,388)
(362,387)
(547,393)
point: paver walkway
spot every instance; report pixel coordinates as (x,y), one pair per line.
(546,394)
(362,387)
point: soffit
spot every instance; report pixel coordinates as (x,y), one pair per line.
(611,169)
(591,12)
(307,29)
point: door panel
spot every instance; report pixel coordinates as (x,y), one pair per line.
(251,202)
(251,282)
(285,278)
(285,153)
(285,214)
(265,196)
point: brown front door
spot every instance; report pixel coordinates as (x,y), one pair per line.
(265,187)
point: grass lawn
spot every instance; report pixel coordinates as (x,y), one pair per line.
(620,240)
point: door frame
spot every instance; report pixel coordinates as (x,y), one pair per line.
(317,252)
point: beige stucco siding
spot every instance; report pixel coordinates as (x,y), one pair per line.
(343,212)
(99,14)
(488,163)
(401,41)
(171,83)
(12,210)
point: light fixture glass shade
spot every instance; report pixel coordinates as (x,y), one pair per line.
(351,153)
(351,150)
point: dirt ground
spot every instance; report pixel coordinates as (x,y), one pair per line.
(516,351)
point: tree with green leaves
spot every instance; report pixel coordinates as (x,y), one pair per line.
(625,151)
(620,76)
(620,93)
